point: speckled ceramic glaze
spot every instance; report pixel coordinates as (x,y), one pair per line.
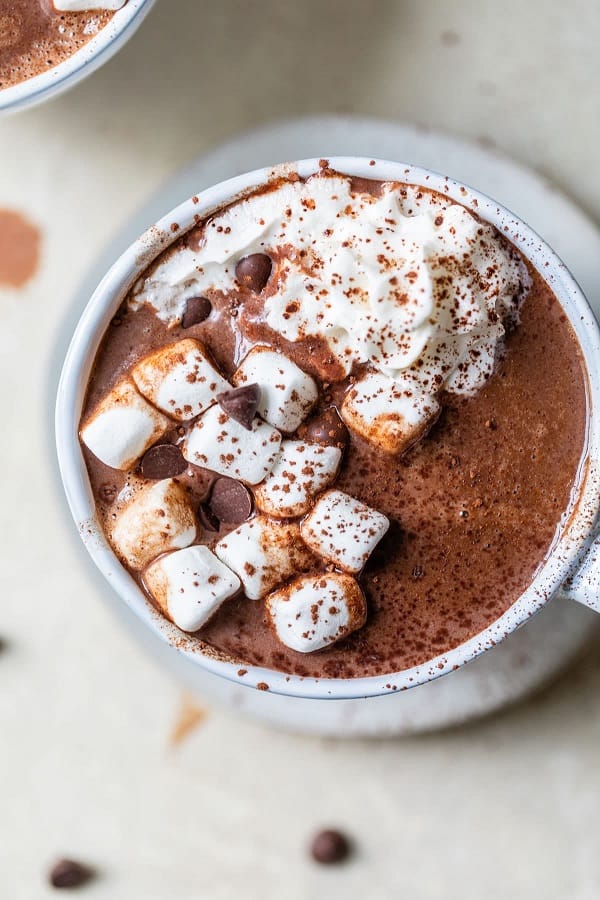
(570,561)
(94,54)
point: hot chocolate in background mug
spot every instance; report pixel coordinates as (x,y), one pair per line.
(570,566)
(47,46)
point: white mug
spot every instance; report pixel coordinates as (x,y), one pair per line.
(572,567)
(80,64)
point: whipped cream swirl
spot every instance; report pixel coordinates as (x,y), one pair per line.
(407,281)
(85,5)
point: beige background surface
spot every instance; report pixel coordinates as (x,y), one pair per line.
(506,808)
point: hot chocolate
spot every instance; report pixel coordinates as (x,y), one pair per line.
(36,35)
(334,429)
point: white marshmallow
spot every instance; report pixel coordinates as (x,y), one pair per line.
(84,5)
(300,472)
(343,530)
(220,443)
(122,427)
(179,379)
(264,553)
(190,585)
(287,393)
(390,414)
(316,610)
(158,518)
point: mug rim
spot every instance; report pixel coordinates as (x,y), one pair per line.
(98,50)
(577,521)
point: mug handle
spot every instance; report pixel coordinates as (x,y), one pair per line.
(583,584)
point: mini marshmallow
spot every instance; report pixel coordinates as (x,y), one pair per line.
(179,379)
(264,553)
(343,530)
(158,518)
(316,610)
(122,427)
(287,393)
(220,443)
(390,414)
(85,5)
(190,585)
(301,471)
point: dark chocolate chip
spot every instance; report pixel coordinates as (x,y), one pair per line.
(330,847)
(108,493)
(230,501)
(197,309)
(253,271)
(327,428)
(207,518)
(241,403)
(67,873)
(163,461)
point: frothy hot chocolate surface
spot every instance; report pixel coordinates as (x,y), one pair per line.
(35,35)
(335,427)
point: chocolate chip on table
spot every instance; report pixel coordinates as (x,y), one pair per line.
(254,271)
(327,428)
(163,461)
(67,873)
(207,518)
(329,847)
(241,403)
(230,501)
(197,309)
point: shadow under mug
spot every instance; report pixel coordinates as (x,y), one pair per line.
(79,65)
(572,566)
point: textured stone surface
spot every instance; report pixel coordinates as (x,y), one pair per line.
(87,713)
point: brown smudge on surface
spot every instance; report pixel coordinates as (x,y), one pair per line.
(19,249)
(189,718)
(449,38)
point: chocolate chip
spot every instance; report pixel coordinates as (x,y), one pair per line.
(230,501)
(108,493)
(67,873)
(207,518)
(253,271)
(241,403)
(330,847)
(197,309)
(163,461)
(327,428)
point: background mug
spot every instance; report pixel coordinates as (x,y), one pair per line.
(79,65)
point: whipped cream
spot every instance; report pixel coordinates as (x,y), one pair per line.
(85,5)
(409,282)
